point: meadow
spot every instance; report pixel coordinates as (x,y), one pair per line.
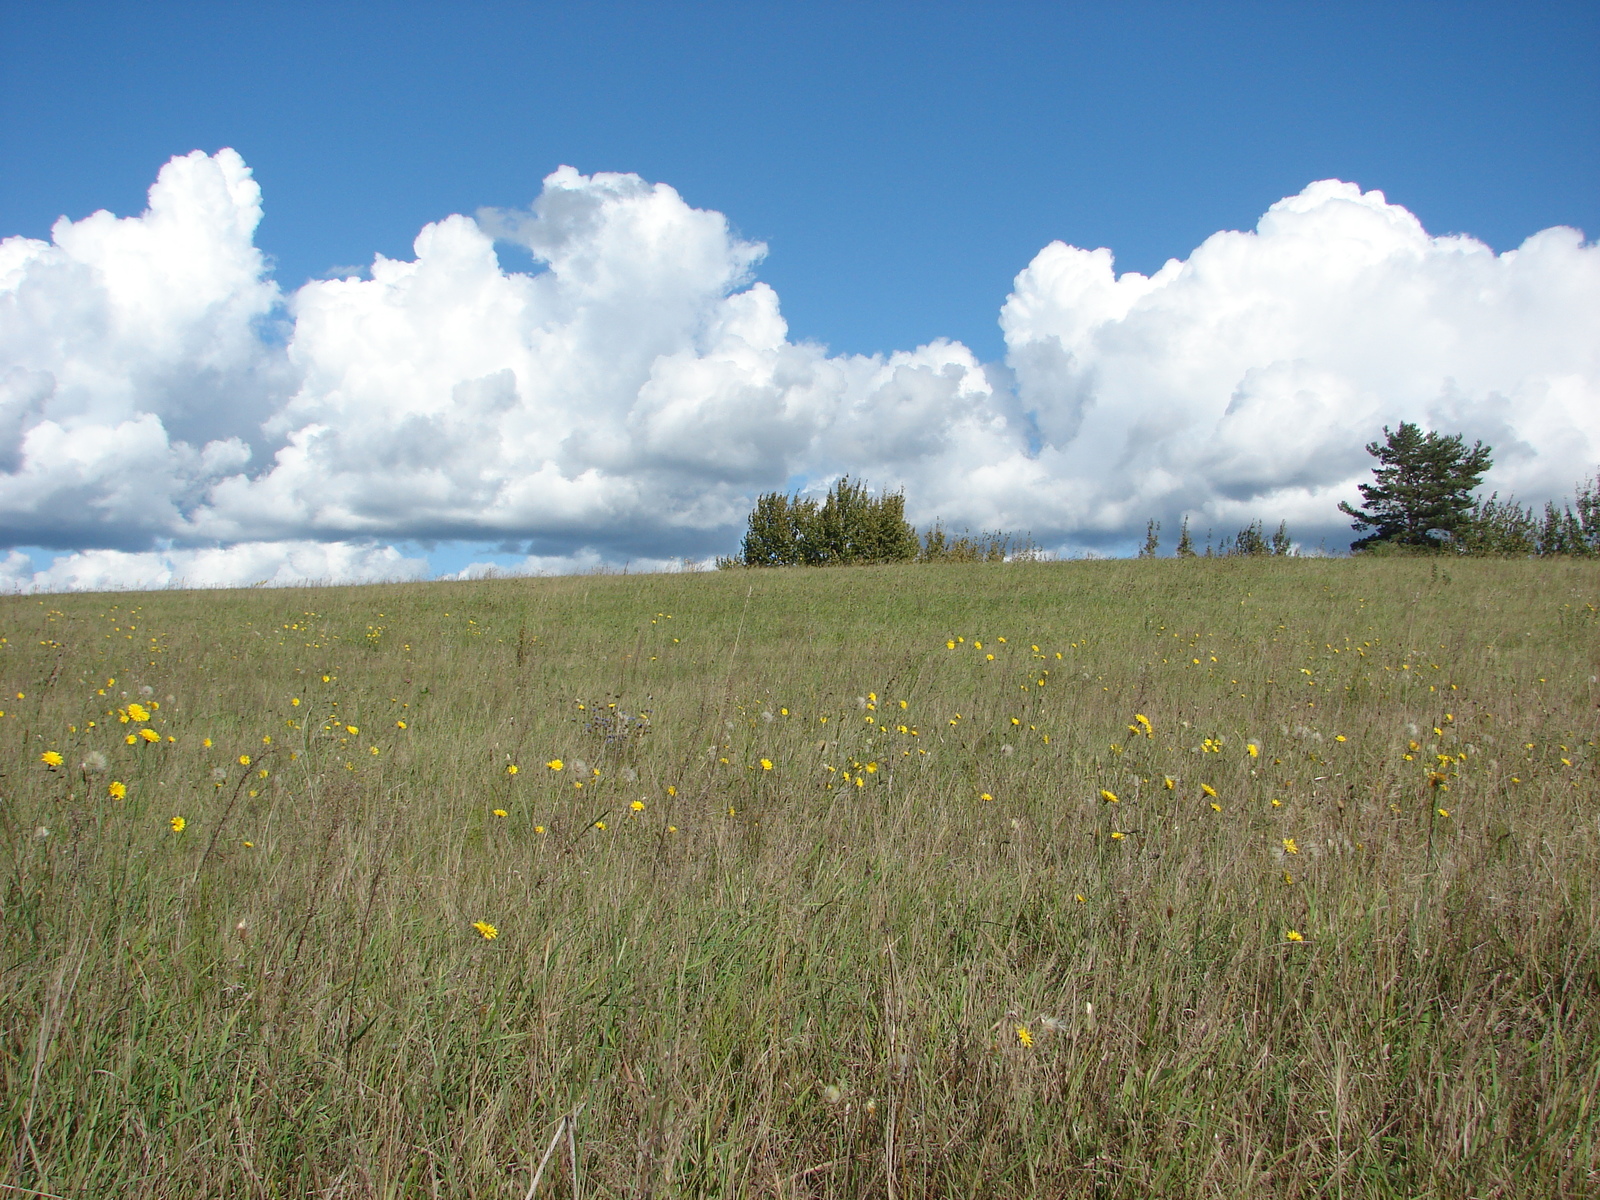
(1232,877)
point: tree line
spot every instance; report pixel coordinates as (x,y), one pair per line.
(852,526)
(1421,500)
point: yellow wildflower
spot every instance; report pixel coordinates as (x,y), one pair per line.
(51,758)
(511,769)
(488,931)
(500,812)
(1289,847)
(637,806)
(138,712)
(766,764)
(178,824)
(1108,797)
(1024,1036)
(117,789)
(555,764)
(150,735)
(1292,935)
(1208,790)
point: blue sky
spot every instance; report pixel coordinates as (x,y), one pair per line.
(902,162)
(902,165)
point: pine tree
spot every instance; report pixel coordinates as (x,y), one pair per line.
(1422,494)
(1185,542)
(1152,539)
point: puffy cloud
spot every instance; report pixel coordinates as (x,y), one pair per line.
(136,362)
(627,398)
(1245,381)
(254,564)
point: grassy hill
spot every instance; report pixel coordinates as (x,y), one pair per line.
(1106,879)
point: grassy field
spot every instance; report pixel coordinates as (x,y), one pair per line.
(1113,879)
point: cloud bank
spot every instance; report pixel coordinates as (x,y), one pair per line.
(168,414)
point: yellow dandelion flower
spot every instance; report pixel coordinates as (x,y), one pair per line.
(51,758)
(295,702)
(117,790)
(1339,737)
(672,790)
(351,730)
(488,931)
(326,678)
(985,796)
(149,735)
(1289,847)
(1444,812)
(178,824)
(1168,782)
(637,806)
(1079,897)
(1277,804)
(1208,790)
(672,829)
(130,740)
(500,812)
(1292,935)
(600,825)
(1108,797)
(555,764)
(1253,750)
(732,812)
(206,742)
(138,712)
(1288,878)
(249,845)
(1215,807)
(766,764)
(538,829)
(1024,1037)
(1117,835)
(511,769)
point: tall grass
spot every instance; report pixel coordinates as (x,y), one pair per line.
(928,962)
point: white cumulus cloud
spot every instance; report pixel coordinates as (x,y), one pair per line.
(628,398)
(250,564)
(1245,381)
